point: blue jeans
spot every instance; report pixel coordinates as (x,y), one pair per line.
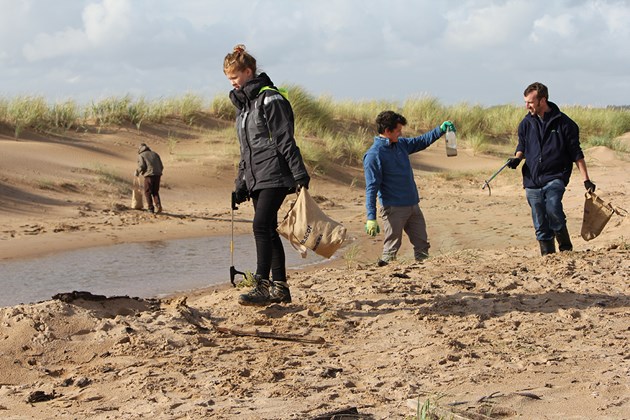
(547,212)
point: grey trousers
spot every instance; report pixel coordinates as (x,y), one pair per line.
(410,220)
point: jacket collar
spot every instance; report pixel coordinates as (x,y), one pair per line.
(250,91)
(383,141)
(553,112)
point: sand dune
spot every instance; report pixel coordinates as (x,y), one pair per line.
(485,328)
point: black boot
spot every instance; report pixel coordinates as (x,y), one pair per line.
(547,247)
(259,295)
(564,240)
(279,292)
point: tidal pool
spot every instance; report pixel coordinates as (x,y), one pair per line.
(147,269)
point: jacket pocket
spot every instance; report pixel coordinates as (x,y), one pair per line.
(267,167)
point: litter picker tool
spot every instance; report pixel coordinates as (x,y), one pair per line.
(487,182)
(233,271)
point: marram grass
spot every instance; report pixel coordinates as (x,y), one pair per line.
(327,131)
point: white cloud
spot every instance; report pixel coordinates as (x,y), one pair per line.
(471,27)
(103,25)
(348,49)
(59,44)
(107,22)
(549,28)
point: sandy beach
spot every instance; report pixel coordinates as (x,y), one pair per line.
(484,329)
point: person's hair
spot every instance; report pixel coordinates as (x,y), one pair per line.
(541,90)
(389,120)
(239,60)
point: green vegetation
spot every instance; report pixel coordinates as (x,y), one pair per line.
(247,280)
(327,131)
(351,255)
(34,113)
(111,179)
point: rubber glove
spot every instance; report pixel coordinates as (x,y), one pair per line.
(590,187)
(447,125)
(371,228)
(513,162)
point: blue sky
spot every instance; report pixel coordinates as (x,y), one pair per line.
(477,51)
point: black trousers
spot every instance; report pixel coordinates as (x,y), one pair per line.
(270,256)
(152,190)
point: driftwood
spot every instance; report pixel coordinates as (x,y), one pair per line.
(40,396)
(276,336)
(200,321)
(345,414)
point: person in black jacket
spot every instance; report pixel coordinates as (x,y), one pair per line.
(549,141)
(271,166)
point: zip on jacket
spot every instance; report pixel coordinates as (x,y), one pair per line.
(550,147)
(270,157)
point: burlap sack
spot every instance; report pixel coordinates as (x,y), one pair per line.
(306,226)
(137,202)
(596,214)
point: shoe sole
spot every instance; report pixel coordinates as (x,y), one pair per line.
(281,301)
(246,303)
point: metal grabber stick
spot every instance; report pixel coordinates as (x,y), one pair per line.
(233,271)
(487,182)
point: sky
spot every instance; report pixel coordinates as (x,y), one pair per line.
(482,52)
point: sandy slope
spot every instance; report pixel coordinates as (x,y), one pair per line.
(485,328)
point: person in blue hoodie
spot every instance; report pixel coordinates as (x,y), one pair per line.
(549,142)
(389,175)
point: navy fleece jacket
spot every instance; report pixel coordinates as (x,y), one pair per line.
(550,146)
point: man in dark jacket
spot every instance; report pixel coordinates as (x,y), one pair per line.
(549,141)
(150,167)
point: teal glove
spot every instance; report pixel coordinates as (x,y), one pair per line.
(447,125)
(371,228)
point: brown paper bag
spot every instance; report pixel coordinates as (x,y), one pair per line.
(597,213)
(137,202)
(306,226)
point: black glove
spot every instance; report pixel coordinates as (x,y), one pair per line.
(590,187)
(302,182)
(513,163)
(239,196)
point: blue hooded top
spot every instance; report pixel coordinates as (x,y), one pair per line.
(388,171)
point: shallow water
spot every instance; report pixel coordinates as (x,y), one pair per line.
(148,269)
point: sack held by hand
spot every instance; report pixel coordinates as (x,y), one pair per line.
(306,226)
(137,202)
(597,213)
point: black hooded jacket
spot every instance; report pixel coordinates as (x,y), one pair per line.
(550,147)
(270,157)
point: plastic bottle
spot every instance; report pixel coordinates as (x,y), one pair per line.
(451,142)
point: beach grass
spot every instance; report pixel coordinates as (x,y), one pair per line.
(113,180)
(327,131)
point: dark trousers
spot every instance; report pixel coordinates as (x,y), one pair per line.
(269,249)
(152,191)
